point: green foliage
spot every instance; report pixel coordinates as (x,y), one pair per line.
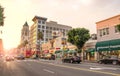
(118,27)
(78,37)
(40,35)
(23,44)
(1,16)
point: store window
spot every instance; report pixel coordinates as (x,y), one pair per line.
(116,30)
(100,32)
(107,31)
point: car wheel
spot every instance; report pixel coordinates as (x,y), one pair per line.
(114,62)
(78,62)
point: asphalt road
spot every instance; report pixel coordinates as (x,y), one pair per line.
(55,68)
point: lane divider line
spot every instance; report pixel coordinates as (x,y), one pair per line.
(82,69)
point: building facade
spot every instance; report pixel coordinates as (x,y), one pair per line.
(108,37)
(89,48)
(47,29)
(57,45)
(25,33)
(39,25)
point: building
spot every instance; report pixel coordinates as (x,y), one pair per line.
(1,47)
(48,29)
(108,37)
(89,48)
(25,33)
(57,45)
(39,25)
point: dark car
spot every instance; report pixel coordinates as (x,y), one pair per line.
(72,59)
(110,60)
(20,57)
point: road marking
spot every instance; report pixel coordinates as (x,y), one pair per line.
(95,68)
(108,73)
(103,68)
(49,71)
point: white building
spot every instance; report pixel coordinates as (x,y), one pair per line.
(47,29)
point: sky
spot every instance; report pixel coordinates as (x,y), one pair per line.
(75,13)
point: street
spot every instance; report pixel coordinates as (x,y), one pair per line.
(41,67)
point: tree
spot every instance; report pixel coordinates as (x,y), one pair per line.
(25,43)
(22,44)
(40,35)
(1,16)
(78,37)
(118,27)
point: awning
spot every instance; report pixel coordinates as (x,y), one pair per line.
(108,45)
(115,44)
(60,51)
(91,50)
(72,51)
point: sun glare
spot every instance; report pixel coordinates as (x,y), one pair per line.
(85,2)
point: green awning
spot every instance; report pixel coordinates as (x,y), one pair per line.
(91,50)
(102,46)
(110,45)
(58,51)
(115,44)
(72,51)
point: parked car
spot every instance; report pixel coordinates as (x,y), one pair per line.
(110,60)
(20,57)
(9,58)
(72,59)
(49,56)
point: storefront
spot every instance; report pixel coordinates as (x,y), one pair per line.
(108,48)
(90,54)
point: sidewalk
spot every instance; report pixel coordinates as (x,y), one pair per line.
(89,61)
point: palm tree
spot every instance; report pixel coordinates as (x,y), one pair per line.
(1,16)
(40,37)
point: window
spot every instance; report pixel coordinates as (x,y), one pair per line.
(50,28)
(46,39)
(107,31)
(26,33)
(54,28)
(43,27)
(39,21)
(38,30)
(116,30)
(43,22)
(104,33)
(57,28)
(47,27)
(39,26)
(43,31)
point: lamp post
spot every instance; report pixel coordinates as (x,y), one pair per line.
(63,43)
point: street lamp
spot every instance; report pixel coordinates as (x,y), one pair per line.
(63,43)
